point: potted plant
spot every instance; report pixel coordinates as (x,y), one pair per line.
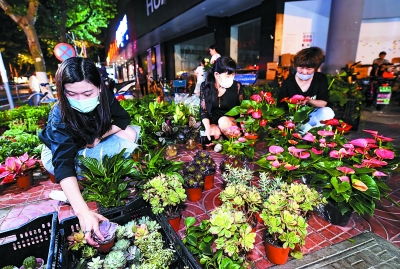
(107,181)
(284,214)
(18,169)
(107,230)
(166,192)
(193,181)
(243,198)
(206,164)
(237,175)
(32,263)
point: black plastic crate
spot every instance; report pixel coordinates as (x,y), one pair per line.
(35,238)
(134,209)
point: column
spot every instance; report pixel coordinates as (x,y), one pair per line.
(344,31)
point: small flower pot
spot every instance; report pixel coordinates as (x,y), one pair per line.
(276,255)
(175,223)
(251,136)
(208,182)
(106,247)
(194,194)
(24,182)
(258,217)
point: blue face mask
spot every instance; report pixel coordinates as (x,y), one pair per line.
(84,106)
(304,77)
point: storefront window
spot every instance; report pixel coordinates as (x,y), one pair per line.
(245,43)
(188,54)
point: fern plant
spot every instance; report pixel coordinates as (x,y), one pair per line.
(107,181)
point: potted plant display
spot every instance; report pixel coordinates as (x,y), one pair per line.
(193,181)
(18,169)
(165,193)
(206,164)
(284,214)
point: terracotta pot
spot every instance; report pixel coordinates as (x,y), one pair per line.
(276,255)
(259,219)
(194,194)
(106,247)
(251,136)
(208,182)
(175,223)
(24,182)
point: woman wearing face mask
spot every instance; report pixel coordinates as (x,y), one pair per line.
(218,94)
(86,121)
(311,84)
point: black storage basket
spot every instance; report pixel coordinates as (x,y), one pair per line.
(35,238)
(134,209)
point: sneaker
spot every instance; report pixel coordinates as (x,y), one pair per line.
(304,128)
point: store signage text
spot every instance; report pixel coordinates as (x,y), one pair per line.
(121,35)
(153,5)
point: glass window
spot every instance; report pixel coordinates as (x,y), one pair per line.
(245,43)
(188,54)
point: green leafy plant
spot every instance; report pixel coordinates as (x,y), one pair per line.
(268,184)
(237,175)
(284,214)
(16,142)
(107,181)
(163,191)
(29,262)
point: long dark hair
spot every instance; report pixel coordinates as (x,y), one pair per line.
(87,126)
(221,65)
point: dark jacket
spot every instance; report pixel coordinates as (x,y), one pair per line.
(64,145)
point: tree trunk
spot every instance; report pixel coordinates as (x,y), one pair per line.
(34,47)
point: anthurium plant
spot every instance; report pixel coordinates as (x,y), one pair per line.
(13,167)
(284,214)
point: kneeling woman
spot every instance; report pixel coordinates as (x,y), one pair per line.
(219,94)
(87,121)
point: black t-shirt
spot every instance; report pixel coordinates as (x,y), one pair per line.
(318,89)
(220,105)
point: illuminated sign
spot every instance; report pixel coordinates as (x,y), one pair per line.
(152,5)
(121,35)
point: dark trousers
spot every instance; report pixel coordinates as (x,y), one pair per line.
(144,89)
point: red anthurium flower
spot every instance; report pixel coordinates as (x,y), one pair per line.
(275,149)
(256,114)
(332,122)
(297,135)
(371,132)
(384,153)
(360,142)
(271,158)
(263,122)
(295,150)
(348,146)
(325,133)
(286,99)
(370,140)
(309,137)
(292,142)
(316,151)
(374,163)
(331,144)
(304,155)
(275,164)
(335,154)
(256,97)
(289,124)
(344,178)
(359,185)
(296,99)
(379,174)
(268,98)
(345,169)
(383,138)
(290,167)
(344,127)
(250,110)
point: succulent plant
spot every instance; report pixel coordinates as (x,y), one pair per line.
(76,240)
(238,175)
(114,260)
(29,262)
(9,267)
(122,244)
(206,164)
(88,252)
(129,229)
(107,229)
(95,263)
(268,184)
(152,225)
(133,254)
(232,161)
(121,232)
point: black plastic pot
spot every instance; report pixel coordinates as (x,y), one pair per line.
(331,213)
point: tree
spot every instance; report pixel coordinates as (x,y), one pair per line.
(25,18)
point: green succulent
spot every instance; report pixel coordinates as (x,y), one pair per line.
(88,252)
(237,175)
(243,197)
(114,260)
(9,267)
(95,263)
(164,190)
(29,262)
(122,244)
